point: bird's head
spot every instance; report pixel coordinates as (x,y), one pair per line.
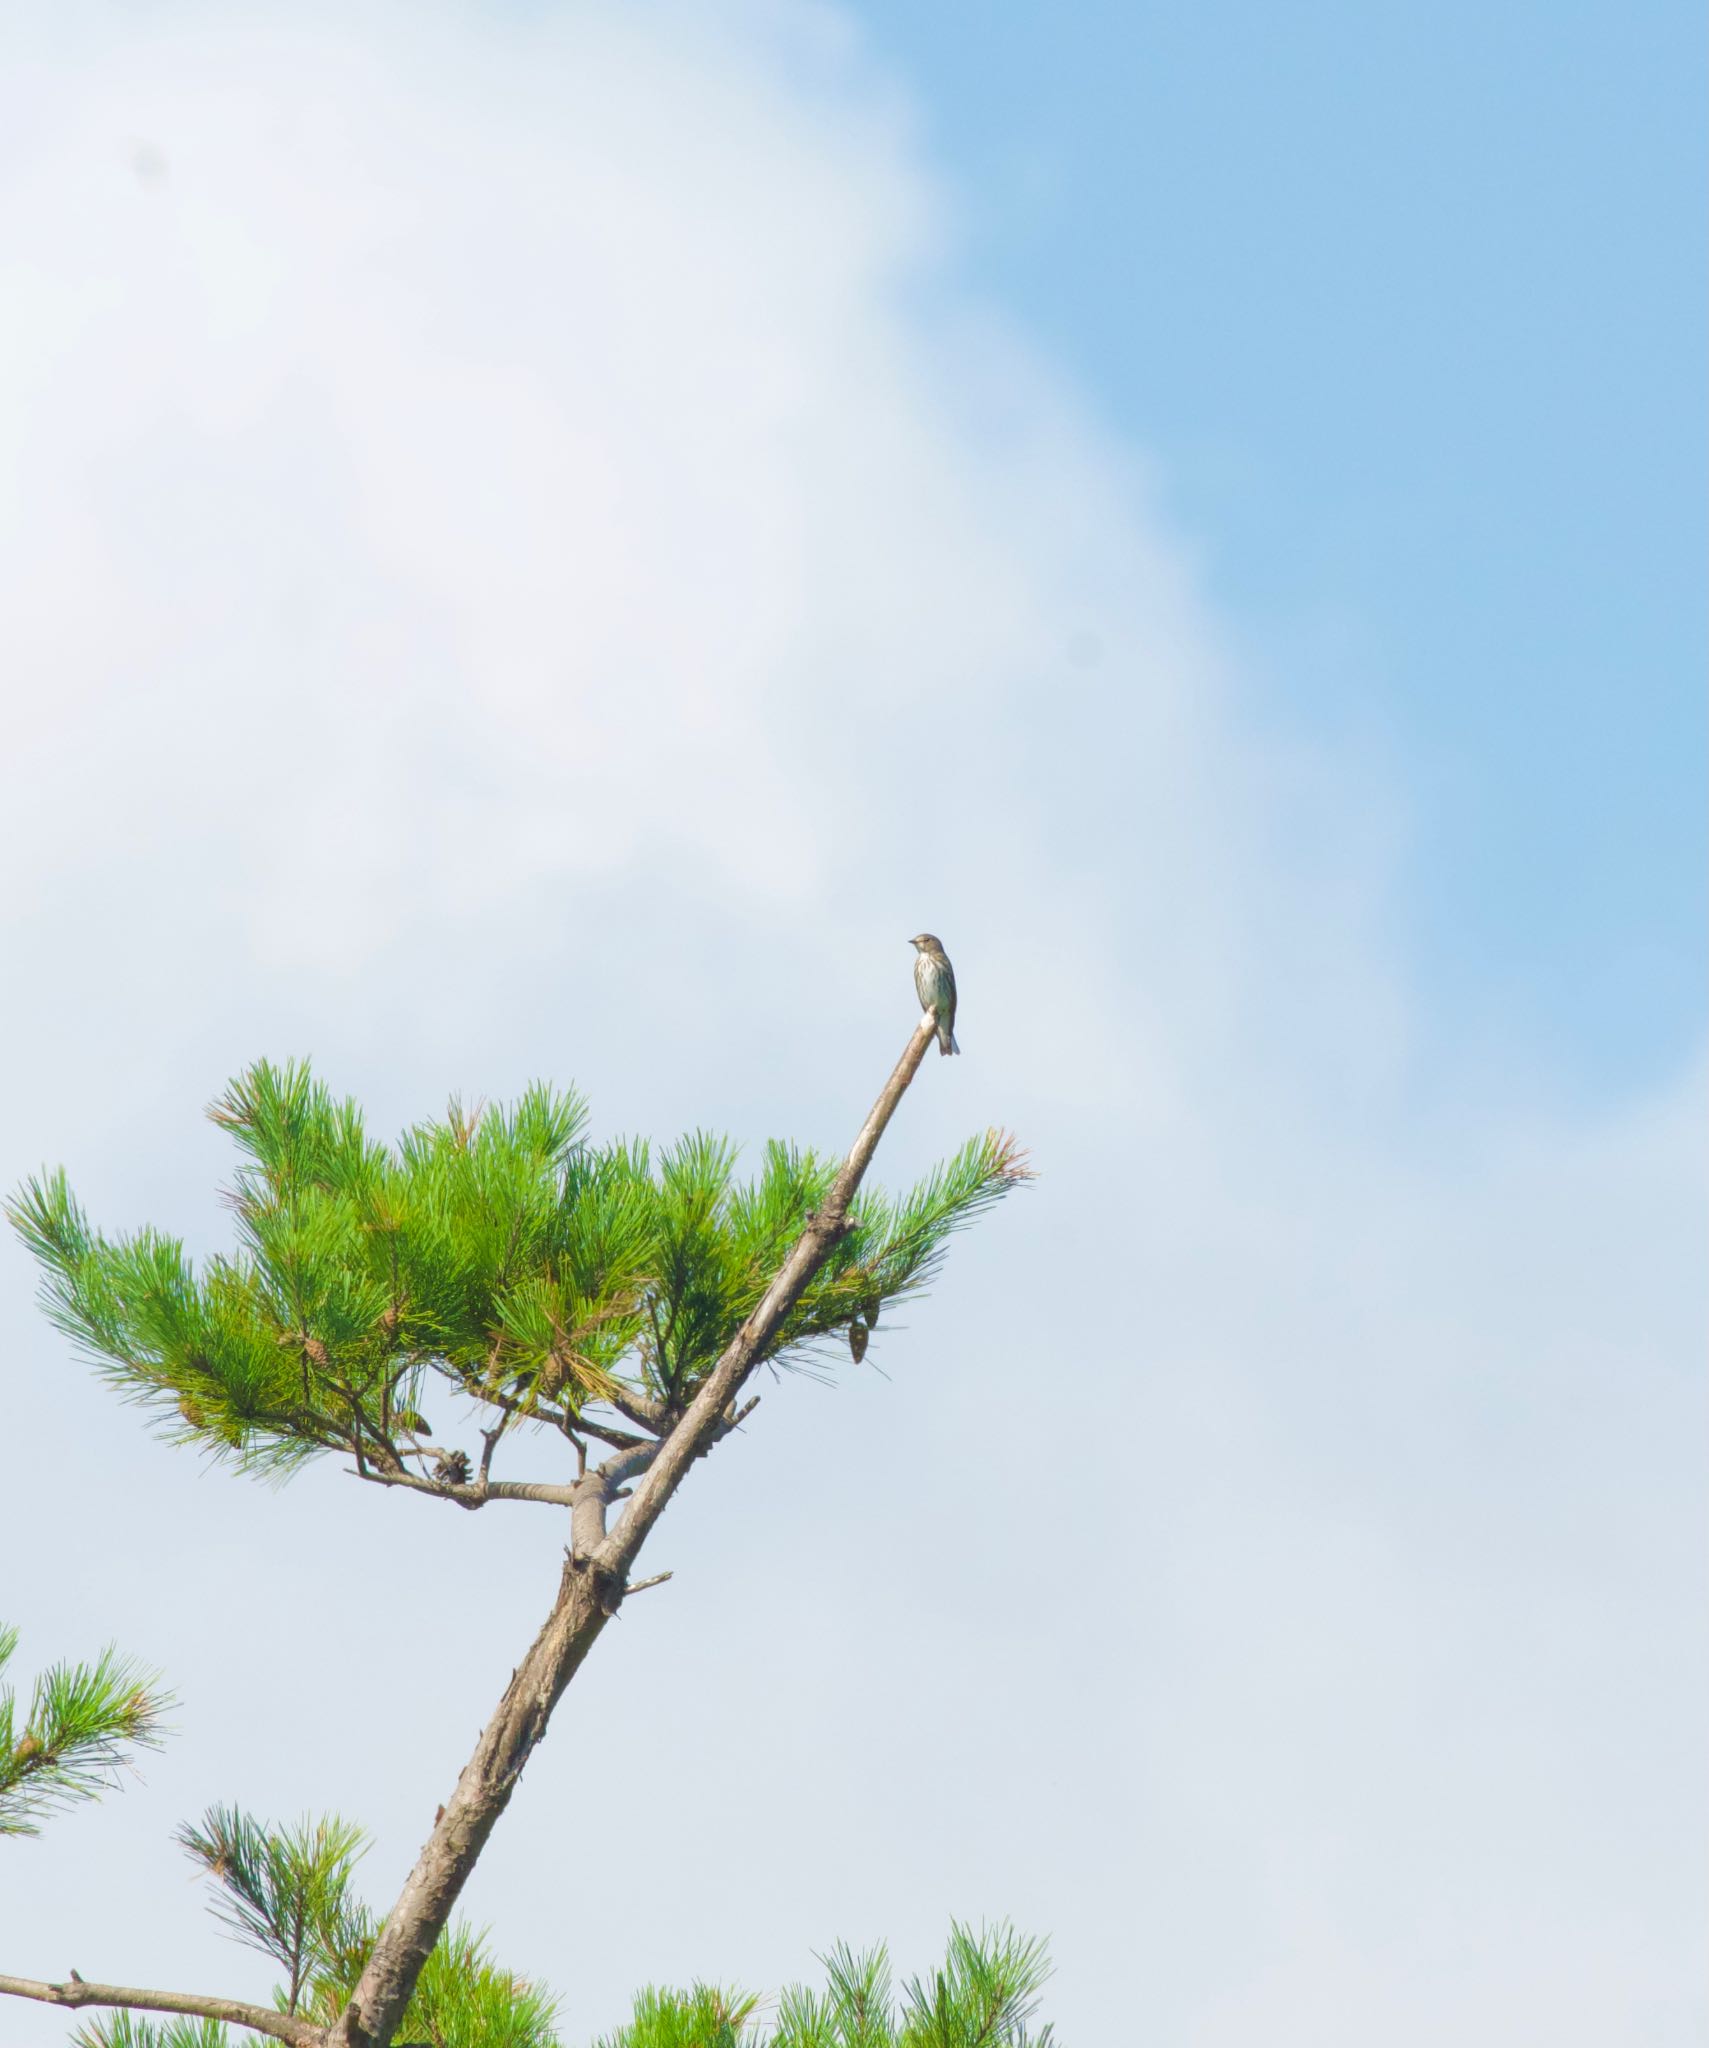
(925,943)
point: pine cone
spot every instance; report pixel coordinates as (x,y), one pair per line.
(452,1469)
(857,1340)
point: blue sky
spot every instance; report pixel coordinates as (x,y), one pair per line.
(1407,304)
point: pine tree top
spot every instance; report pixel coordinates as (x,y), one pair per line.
(499,1257)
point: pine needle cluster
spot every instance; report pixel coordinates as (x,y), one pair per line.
(289,1893)
(984,1995)
(84,1720)
(496,1256)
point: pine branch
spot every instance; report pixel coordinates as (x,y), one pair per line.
(84,1720)
(619,1439)
(78,1991)
(474,1493)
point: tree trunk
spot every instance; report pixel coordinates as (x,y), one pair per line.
(588,1595)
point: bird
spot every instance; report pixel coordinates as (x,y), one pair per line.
(934,981)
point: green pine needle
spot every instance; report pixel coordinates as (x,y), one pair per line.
(983,1996)
(134,2030)
(287,1892)
(496,1250)
(83,1723)
(284,1891)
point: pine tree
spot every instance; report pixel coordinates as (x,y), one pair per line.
(596,1310)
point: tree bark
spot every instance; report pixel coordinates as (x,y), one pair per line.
(589,1592)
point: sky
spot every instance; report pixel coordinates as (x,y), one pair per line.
(1404,303)
(548,541)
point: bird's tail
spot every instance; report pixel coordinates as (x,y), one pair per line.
(946,1042)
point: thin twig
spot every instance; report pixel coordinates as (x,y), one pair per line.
(619,1439)
(479,1389)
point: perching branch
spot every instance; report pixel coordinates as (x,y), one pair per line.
(590,1590)
(260,2019)
(700,1426)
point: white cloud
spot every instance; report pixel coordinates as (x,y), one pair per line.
(519,555)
